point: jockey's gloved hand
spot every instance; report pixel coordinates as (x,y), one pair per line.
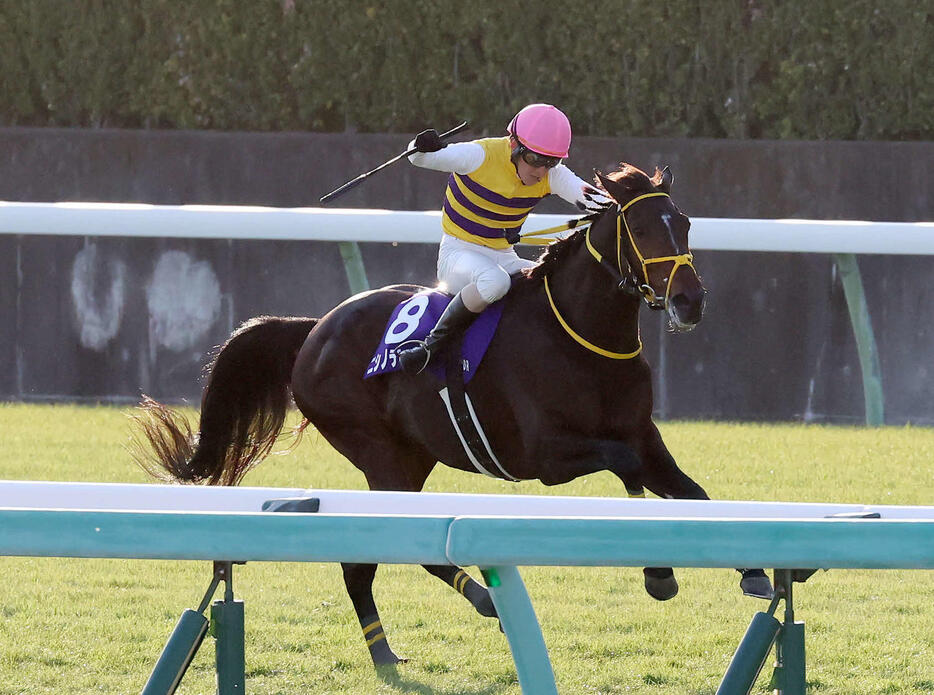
(593,200)
(428,141)
(512,236)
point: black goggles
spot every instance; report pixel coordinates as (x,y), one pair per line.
(536,160)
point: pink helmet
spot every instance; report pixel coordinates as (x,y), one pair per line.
(542,128)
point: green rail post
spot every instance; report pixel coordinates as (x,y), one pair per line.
(227,626)
(865,339)
(353,265)
(183,644)
(751,654)
(788,678)
(517,617)
(176,657)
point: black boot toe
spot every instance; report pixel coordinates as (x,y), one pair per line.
(414,359)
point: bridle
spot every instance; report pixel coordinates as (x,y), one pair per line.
(627,280)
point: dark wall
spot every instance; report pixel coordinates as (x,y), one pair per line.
(106,318)
(714,178)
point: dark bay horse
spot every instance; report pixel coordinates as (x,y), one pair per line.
(563,389)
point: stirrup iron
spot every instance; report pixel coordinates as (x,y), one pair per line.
(411,347)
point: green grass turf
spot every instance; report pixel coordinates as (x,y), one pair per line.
(98,626)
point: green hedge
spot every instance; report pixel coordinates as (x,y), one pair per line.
(806,69)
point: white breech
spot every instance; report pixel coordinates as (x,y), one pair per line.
(461,263)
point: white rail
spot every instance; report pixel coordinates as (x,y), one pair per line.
(495,532)
(198,498)
(320,224)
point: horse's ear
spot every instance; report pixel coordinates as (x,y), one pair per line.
(667,179)
(607,183)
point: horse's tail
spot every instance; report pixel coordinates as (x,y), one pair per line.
(243,408)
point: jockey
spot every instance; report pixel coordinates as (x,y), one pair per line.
(494,184)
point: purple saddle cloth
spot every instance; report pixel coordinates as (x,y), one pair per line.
(414,318)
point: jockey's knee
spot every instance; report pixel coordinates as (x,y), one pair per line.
(493,284)
(470,295)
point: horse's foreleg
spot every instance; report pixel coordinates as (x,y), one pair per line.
(564,458)
(662,476)
(359,581)
(464,584)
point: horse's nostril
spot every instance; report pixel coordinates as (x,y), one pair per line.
(687,310)
(680,301)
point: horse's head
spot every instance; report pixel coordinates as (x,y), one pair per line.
(652,237)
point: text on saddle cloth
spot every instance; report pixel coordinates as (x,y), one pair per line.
(414,318)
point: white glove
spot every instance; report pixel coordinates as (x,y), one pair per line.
(593,200)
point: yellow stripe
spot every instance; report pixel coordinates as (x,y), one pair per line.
(381,635)
(636,494)
(486,221)
(372,626)
(460,580)
(590,346)
(483,203)
(447,224)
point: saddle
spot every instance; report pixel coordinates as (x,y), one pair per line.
(414,318)
(452,368)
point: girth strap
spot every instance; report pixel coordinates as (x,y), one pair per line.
(464,418)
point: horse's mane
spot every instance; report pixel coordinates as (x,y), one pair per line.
(630,178)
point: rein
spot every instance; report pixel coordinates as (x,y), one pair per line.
(626,281)
(590,346)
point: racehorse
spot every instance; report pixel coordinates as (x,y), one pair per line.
(563,389)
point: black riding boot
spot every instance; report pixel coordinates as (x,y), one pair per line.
(456,317)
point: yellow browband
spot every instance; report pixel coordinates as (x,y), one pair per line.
(678,260)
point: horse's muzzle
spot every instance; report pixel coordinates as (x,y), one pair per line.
(685,312)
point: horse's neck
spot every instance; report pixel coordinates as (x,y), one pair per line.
(588,299)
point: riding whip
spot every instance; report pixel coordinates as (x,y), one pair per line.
(353,182)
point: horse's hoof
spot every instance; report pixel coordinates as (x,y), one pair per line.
(755,583)
(390,660)
(660,583)
(480,599)
(384,656)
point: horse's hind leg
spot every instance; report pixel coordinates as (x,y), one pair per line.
(464,584)
(662,476)
(383,471)
(359,582)
(399,468)
(452,575)
(391,466)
